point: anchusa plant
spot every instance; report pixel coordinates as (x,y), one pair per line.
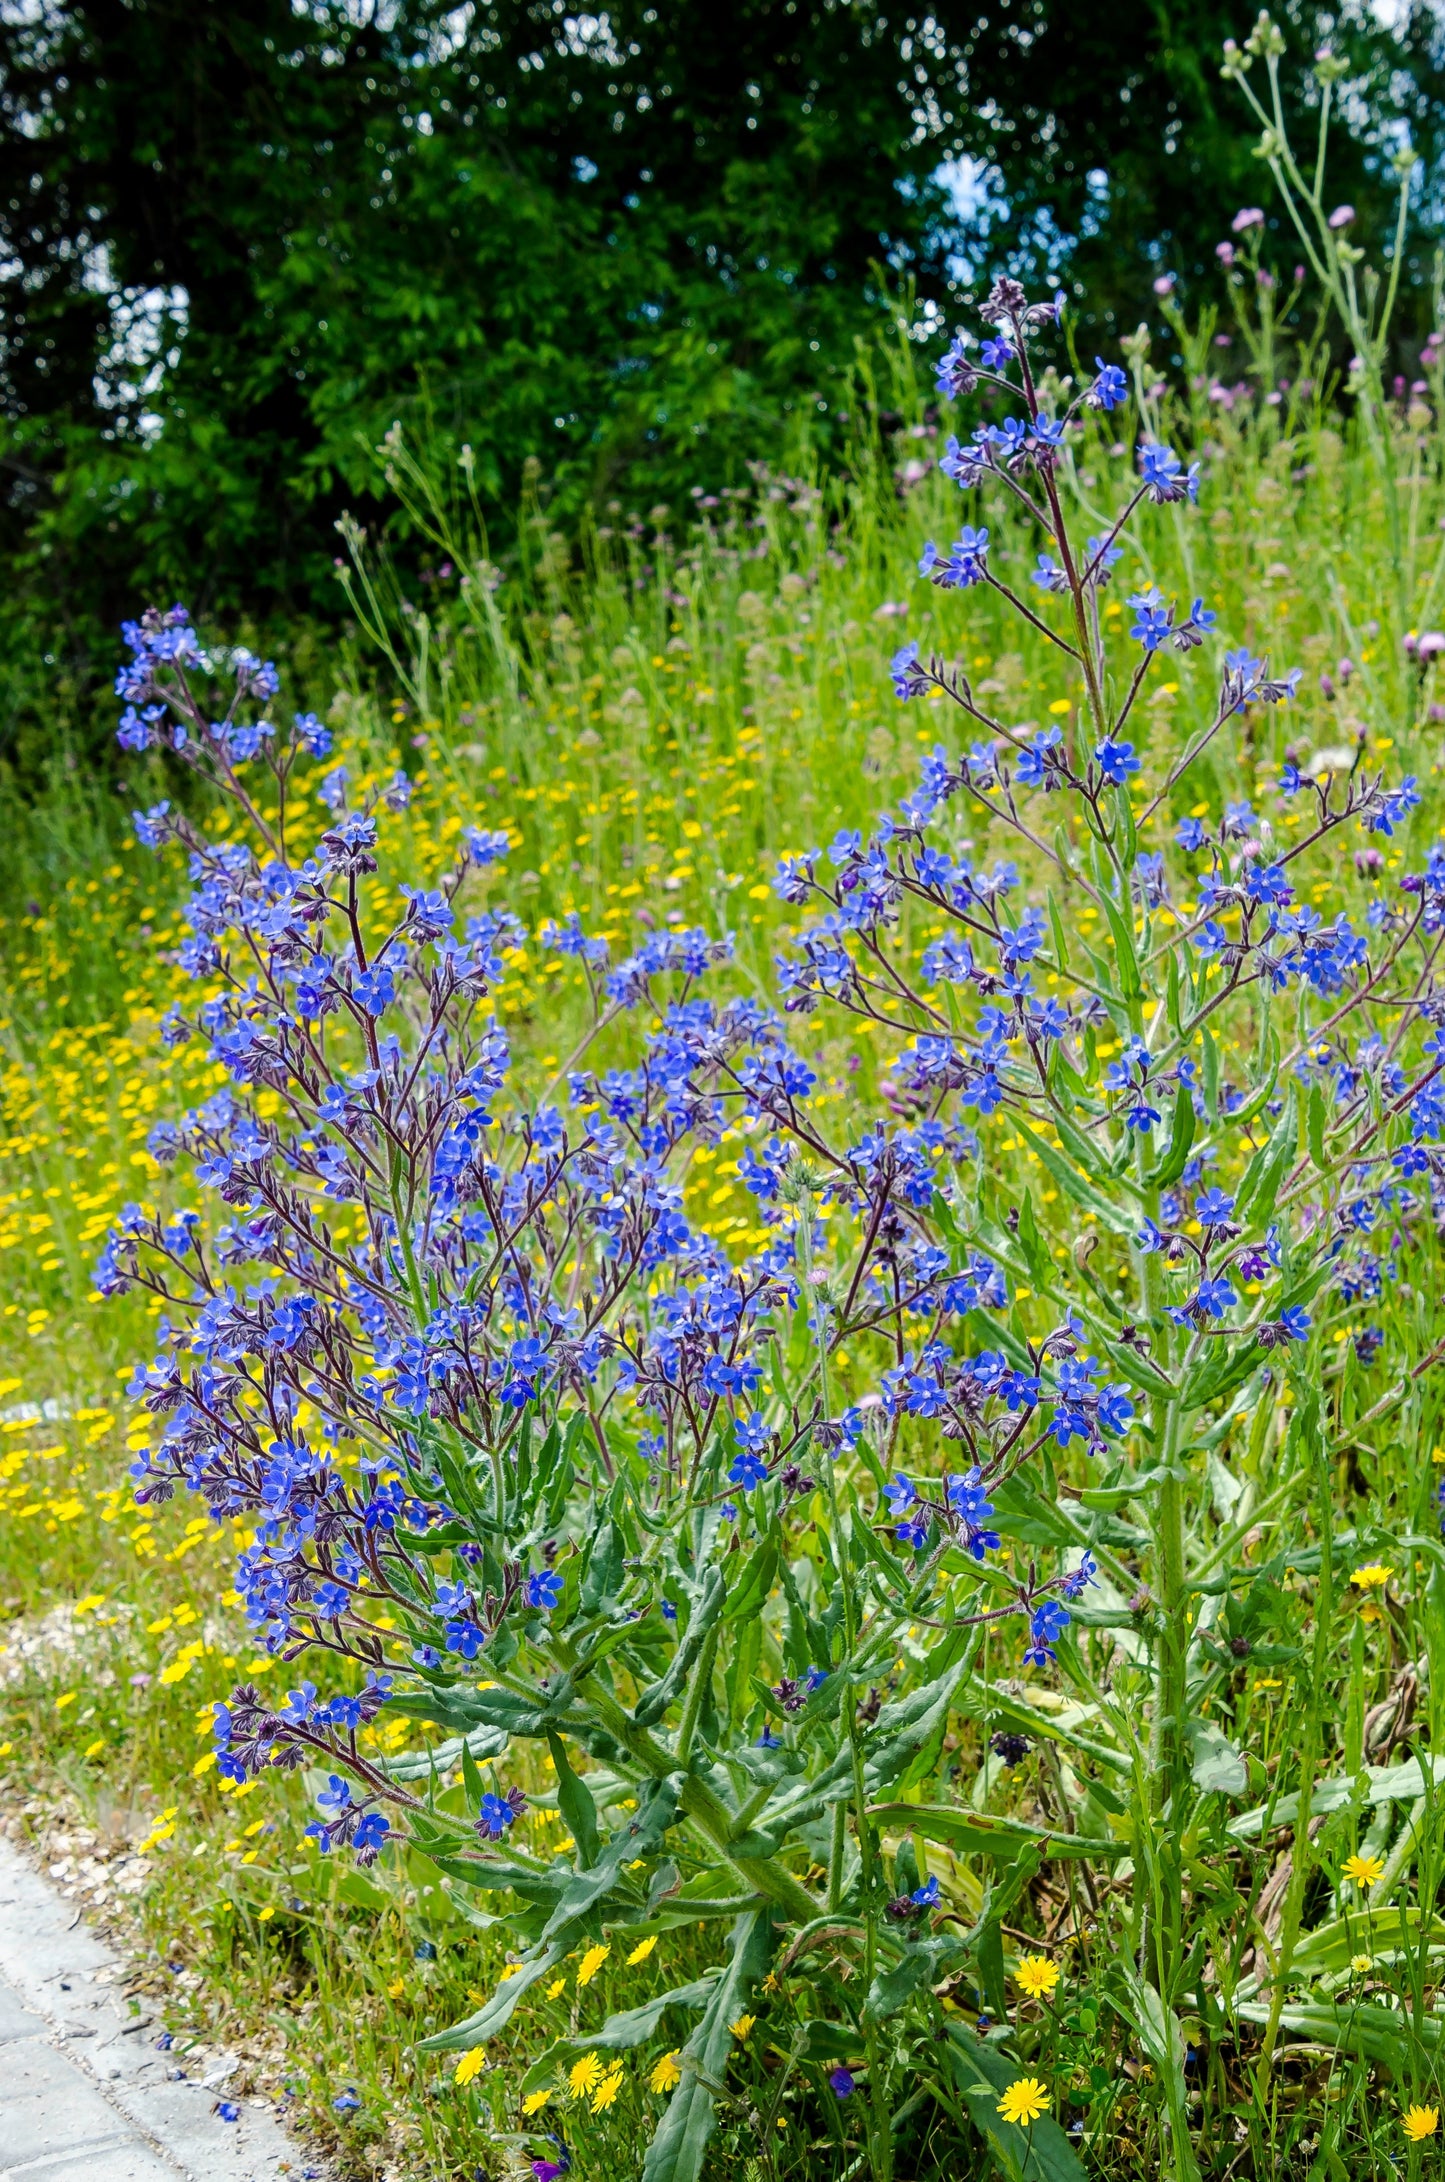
(741,1544)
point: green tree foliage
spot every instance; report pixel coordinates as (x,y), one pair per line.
(640,246)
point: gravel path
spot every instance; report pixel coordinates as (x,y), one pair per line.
(85,2095)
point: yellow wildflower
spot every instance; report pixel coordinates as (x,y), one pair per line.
(1036,1976)
(583,2076)
(471,2064)
(743,2026)
(667,2073)
(1024,2101)
(1361,1963)
(607,2090)
(1421,2122)
(590,1964)
(641,1951)
(536,2100)
(558,1985)
(1373,1577)
(1364,1870)
(396,1988)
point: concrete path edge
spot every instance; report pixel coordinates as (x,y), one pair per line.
(85,2094)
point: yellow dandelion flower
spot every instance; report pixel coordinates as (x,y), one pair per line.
(583,2076)
(1024,2101)
(607,2090)
(590,1964)
(396,1988)
(641,1951)
(1421,2122)
(1036,1976)
(471,2064)
(1373,1577)
(1361,1963)
(557,1986)
(743,2027)
(1364,1870)
(667,2073)
(536,2100)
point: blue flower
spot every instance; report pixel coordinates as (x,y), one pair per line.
(1393,806)
(967,563)
(1116,760)
(748,1470)
(842,2079)
(346,2102)
(374,990)
(1110,389)
(150,826)
(908,677)
(1164,476)
(495,1815)
(1116,1409)
(1046,1625)
(956,375)
(926,1896)
(1153,624)
(1190,835)
(1268,883)
(544,1590)
(1212,1207)
(1034,769)
(900,1493)
(1078,1579)
(370,1835)
(465,1637)
(1294,1322)
(1214,1298)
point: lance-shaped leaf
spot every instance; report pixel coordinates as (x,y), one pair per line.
(497,2012)
(1385,1784)
(575,1802)
(482,1742)
(1372,2033)
(606,1568)
(654,1702)
(1162,2037)
(1266,1170)
(676,2151)
(982,2074)
(644,1833)
(907,1726)
(581,1894)
(923,1962)
(1117,1218)
(975,1833)
(1176,1158)
(620,2032)
(463,1709)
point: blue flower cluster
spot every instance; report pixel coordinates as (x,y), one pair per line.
(437,1340)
